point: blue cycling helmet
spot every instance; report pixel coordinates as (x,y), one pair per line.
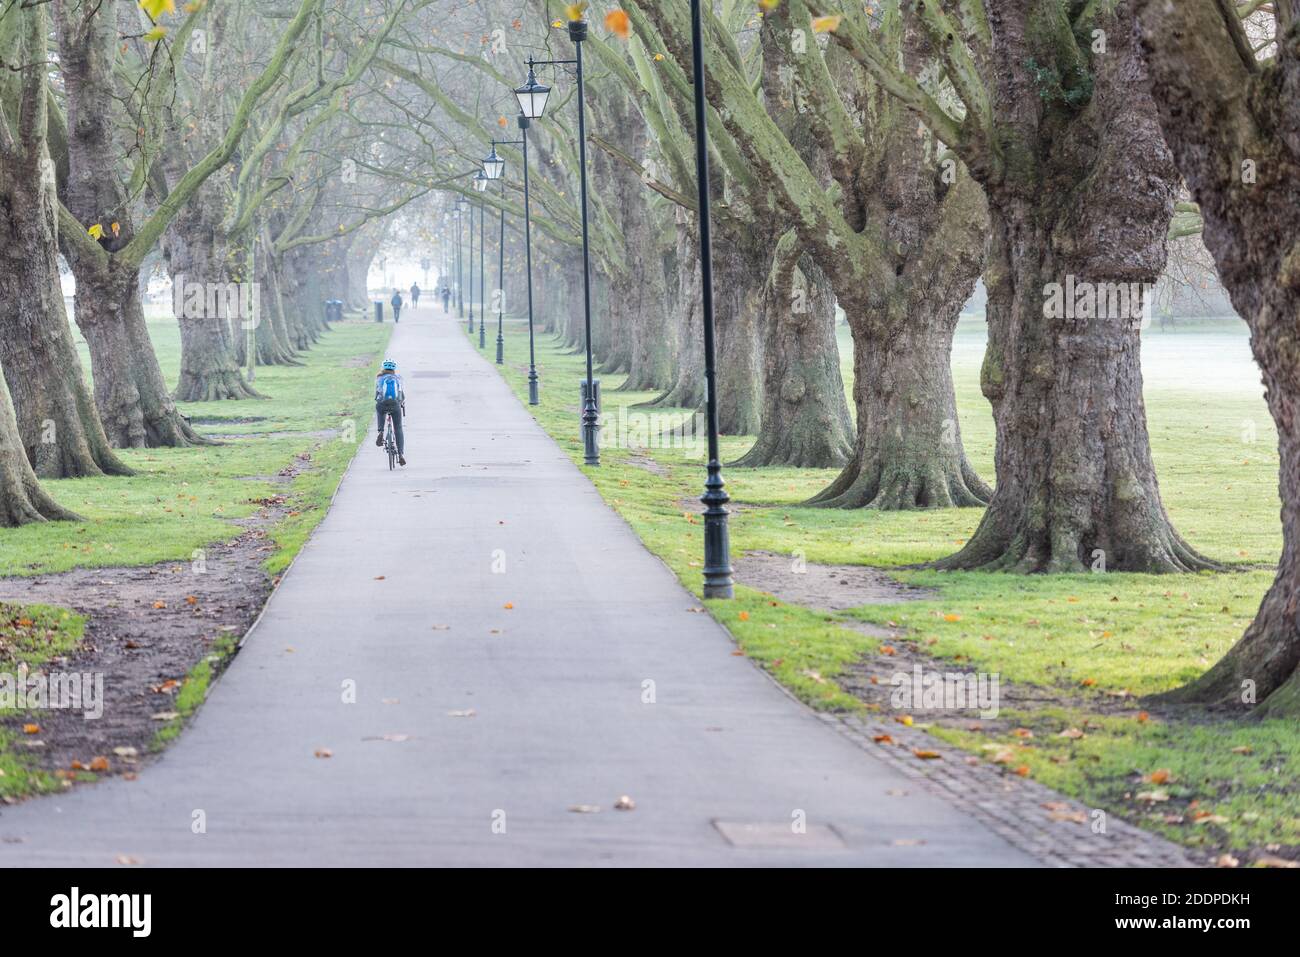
(390,365)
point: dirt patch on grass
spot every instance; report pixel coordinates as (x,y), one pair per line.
(146,627)
(823,587)
(647,464)
(874,678)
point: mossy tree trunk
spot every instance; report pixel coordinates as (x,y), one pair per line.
(196,253)
(804,419)
(1232,124)
(686,391)
(58,425)
(130,390)
(1085,213)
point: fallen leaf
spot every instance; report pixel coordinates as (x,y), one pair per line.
(324,753)
(1073,817)
(584,808)
(927,755)
(1152,797)
(625,803)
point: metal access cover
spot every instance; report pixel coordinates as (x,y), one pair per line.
(818,837)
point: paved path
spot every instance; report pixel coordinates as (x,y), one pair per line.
(555,685)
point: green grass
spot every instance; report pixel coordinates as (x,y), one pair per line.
(29,635)
(1080,638)
(183,499)
(194,688)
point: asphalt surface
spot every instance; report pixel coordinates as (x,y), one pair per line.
(498,625)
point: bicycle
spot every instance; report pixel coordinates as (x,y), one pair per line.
(390,443)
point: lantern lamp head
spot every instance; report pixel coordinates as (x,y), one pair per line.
(532,96)
(493,165)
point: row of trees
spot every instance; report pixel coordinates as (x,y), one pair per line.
(881,159)
(132,130)
(887,157)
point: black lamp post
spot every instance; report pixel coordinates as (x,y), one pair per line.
(533,398)
(480,184)
(532,98)
(717,546)
(460,263)
(495,168)
(470,251)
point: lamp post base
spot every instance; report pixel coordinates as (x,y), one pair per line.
(717,540)
(532,388)
(471,323)
(501,350)
(590,429)
(482,335)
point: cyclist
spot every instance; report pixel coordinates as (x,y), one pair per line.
(415,295)
(390,399)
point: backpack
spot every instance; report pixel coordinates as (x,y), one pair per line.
(388,387)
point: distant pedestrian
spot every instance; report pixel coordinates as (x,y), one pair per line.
(396,303)
(446,299)
(415,295)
